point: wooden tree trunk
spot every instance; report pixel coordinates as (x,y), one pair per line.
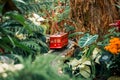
(93,16)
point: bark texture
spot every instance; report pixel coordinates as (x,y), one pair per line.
(94,16)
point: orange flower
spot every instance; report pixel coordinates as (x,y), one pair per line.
(114,51)
(118,50)
(113,46)
(114,40)
(106,47)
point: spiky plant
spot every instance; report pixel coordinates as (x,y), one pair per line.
(39,69)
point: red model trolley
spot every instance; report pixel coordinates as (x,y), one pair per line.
(58,41)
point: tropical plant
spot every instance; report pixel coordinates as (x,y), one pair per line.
(24,37)
(111,33)
(110,54)
(8,40)
(54,11)
(84,66)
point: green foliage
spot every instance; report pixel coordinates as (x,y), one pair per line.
(18,18)
(69,28)
(44,8)
(34,7)
(25,37)
(109,63)
(39,69)
(64,15)
(84,66)
(37,6)
(8,42)
(87,39)
(111,33)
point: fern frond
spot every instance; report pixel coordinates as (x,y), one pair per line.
(32,45)
(34,7)
(44,46)
(36,28)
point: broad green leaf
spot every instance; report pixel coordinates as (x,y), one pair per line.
(86,40)
(74,62)
(97,59)
(17,17)
(87,63)
(85,71)
(95,52)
